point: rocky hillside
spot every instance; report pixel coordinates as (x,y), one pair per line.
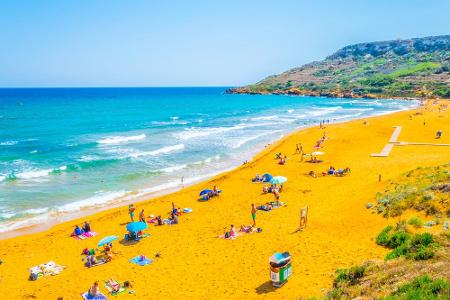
(418,67)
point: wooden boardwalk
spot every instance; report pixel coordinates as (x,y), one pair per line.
(387,149)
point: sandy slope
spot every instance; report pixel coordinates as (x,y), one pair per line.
(195,263)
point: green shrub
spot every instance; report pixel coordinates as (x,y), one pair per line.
(383,237)
(422,287)
(416,222)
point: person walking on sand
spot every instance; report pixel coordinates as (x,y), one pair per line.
(142,216)
(254,215)
(131,210)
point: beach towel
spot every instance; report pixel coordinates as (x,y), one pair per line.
(238,234)
(187,210)
(99,263)
(100,296)
(47,269)
(85,235)
(110,288)
(141,260)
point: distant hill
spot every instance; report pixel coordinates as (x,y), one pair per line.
(418,67)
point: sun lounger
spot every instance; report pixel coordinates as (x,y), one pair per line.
(100,296)
(139,260)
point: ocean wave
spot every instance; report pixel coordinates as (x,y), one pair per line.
(173,168)
(156,152)
(200,132)
(121,139)
(290,111)
(264,118)
(9,143)
(32,174)
(207,160)
(100,197)
(244,141)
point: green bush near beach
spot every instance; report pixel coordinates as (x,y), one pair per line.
(422,287)
(420,246)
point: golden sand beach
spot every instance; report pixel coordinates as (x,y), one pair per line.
(195,264)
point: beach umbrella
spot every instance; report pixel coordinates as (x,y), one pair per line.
(136,226)
(204,192)
(278,180)
(107,240)
(266,177)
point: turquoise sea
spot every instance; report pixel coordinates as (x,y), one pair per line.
(64,150)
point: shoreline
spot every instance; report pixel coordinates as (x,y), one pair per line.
(61,218)
(340,231)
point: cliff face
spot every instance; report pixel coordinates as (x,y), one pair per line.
(418,67)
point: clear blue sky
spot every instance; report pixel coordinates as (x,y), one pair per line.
(184,43)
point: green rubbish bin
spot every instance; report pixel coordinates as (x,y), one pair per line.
(280,268)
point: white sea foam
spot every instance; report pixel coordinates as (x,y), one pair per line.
(121,139)
(35,211)
(156,152)
(174,118)
(31,174)
(8,143)
(99,198)
(290,111)
(174,168)
(33,152)
(264,118)
(241,141)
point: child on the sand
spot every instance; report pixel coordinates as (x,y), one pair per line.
(94,290)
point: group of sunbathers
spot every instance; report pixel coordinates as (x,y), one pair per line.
(91,255)
(212,193)
(172,219)
(84,229)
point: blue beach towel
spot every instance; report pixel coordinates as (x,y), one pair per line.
(137,260)
(187,210)
(86,296)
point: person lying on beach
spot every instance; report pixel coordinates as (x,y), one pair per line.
(86,227)
(312,174)
(283,160)
(159,221)
(266,207)
(230,234)
(115,286)
(314,160)
(256,178)
(265,189)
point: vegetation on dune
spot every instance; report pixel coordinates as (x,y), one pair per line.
(423,287)
(423,189)
(419,246)
(417,266)
(401,68)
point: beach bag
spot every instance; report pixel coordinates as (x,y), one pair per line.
(33,276)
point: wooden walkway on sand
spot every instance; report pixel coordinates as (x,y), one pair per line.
(387,149)
(393,142)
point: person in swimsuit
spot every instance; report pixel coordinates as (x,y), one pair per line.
(142,216)
(254,215)
(131,212)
